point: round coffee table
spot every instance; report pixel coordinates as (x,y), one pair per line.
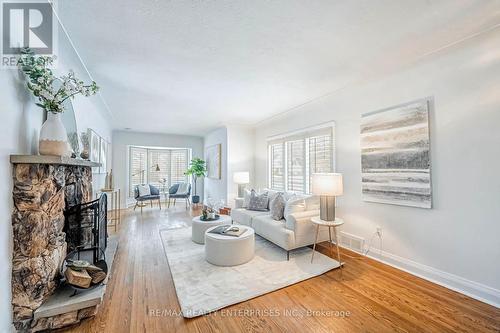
(221,250)
(199,227)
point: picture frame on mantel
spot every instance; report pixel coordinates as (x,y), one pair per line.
(94,148)
(213,161)
(103,155)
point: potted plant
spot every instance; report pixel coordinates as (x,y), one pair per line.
(51,97)
(196,169)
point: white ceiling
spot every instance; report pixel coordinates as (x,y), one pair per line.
(189,66)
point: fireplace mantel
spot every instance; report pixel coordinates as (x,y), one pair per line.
(55,160)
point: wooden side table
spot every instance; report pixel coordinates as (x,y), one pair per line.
(331,225)
(114,209)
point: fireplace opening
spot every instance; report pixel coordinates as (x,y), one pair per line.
(86,231)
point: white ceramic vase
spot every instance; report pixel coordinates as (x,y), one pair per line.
(53,137)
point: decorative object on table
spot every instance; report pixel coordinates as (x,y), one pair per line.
(395,155)
(197,169)
(85,154)
(225,211)
(242,179)
(213,161)
(327,186)
(228,230)
(103,155)
(108,183)
(51,98)
(209,216)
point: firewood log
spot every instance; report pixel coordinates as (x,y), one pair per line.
(97,276)
(78,278)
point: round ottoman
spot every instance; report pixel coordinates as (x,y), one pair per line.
(221,250)
(199,227)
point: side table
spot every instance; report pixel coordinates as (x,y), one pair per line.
(330,225)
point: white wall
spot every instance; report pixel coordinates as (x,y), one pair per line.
(217,188)
(123,139)
(240,156)
(455,243)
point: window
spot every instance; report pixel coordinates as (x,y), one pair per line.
(294,158)
(155,165)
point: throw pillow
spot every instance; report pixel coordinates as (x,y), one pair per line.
(294,206)
(277,207)
(258,202)
(183,188)
(144,190)
(246,198)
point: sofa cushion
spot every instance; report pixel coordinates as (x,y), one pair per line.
(277,207)
(294,205)
(258,202)
(246,197)
(245,216)
(274,231)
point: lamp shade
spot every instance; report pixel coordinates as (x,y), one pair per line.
(241,177)
(329,184)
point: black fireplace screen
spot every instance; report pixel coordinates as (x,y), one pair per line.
(85,227)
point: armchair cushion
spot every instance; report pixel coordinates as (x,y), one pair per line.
(173,189)
(144,190)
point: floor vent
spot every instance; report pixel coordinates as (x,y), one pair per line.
(352,242)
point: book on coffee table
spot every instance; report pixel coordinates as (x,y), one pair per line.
(228,230)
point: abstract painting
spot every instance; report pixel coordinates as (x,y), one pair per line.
(395,155)
(213,160)
(103,156)
(95,141)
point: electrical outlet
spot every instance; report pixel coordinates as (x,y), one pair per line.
(379,231)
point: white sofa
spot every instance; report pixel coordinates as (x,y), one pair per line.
(294,231)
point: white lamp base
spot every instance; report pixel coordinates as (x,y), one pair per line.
(327,208)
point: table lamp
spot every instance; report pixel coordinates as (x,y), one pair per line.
(327,186)
(241,178)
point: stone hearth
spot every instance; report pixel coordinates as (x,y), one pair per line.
(43,187)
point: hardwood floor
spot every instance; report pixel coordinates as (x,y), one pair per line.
(372,297)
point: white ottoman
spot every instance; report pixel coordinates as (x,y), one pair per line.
(199,227)
(223,250)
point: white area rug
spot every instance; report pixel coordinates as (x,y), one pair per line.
(202,287)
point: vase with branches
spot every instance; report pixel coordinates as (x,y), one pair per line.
(52,92)
(197,168)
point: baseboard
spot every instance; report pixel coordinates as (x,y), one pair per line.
(457,283)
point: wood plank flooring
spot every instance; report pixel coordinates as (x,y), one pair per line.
(370,297)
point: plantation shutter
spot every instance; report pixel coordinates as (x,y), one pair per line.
(296,166)
(138,164)
(320,155)
(294,158)
(277,172)
(160,158)
(179,165)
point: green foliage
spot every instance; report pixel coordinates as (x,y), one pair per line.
(41,82)
(196,168)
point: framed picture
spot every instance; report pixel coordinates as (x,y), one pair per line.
(395,155)
(213,160)
(103,155)
(94,143)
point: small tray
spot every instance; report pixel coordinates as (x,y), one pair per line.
(217,216)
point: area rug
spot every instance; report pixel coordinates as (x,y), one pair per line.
(203,288)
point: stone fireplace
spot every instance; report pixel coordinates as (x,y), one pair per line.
(44,187)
